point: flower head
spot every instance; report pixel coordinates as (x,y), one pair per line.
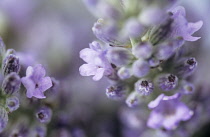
(35,81)
(167,112)
(97,63)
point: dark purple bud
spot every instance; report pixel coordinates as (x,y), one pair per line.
(11,84)
(187,67)
(44,114)
(12,103)
(11,64)
(133,99)
(140,68)
(167,82)
(116,91)
(119,56)
(144,87)
(3,119)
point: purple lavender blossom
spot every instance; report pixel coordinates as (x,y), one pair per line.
(181,27)
(167,82)
(97,63)
(140,68)
(35,81)
(12,103)
(44,114)
(124,73)
(133,28)
(133,99)
(144,87)
(187,88)
(167,112)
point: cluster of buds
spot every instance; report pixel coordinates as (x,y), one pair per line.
(142,53)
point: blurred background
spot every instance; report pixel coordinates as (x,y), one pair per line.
(52,32)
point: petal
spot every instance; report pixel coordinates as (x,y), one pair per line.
(191,38)
(183,112)
(29,71)
(193,27)
(179,10)
(155,120)
(28,83)
(29,93)
(88,69)
(44,84)
(99,74)
(155,103)
(38,94)
(170,122)
(88,55)
(39,72)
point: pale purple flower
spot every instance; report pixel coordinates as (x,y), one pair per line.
(97,63)
(140,68)
(35,81)
(167,82)
(12,103)
(143,50)
(133,99)
(181,27)
(117,91)
(133,28)
(167,112)
(144,87)
(44,114)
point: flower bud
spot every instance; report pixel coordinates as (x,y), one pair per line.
(119,56)
(144,87)
(116,91)
(3,119)
(187,88)
(133,99)
(11,64)
(12,103)
(143,50)
(44,114)
(133,28)
(11,83)
(167,82)
(124,73)
(140,68)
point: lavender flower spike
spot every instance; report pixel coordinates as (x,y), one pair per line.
(35,81)
(183,28)
(167,112)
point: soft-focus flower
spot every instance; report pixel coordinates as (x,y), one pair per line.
(167,82)
(44,114)
(97,63)
(144,87)
(116,91)
(181,27)
(12,103)
(35,81)
(167,112)
(140,68)
(3,119)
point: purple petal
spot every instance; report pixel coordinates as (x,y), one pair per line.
(87,55)
(193,27)
(39,72)
(183,112)
(45,83)
(191,38)
(38,94)
(29,71)
(99,74)
(179,11)
(155,103)
(155,120)
(88,69)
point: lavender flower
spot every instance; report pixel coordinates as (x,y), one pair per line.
(167,82)
(133,28)
(124,73)
(167,112)
(35,81)
(12,103)
(11,83)
(144,87)
(181,27)
(187,88)
(44,114)
(97,63)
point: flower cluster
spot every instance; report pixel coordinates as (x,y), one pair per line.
(12,93)
(142,53)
